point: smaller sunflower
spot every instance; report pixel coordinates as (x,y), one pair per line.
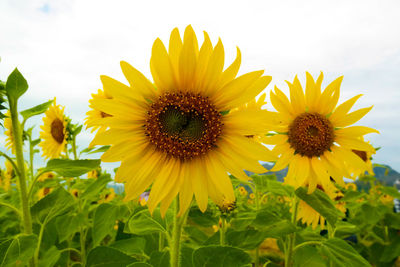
(242,191)
(95,117)
(10,144)
(45,176)
(109,196)
(309,216)
(44,192)
(54,132)
(351,187)
(93,174)
(366,156)
(7,175)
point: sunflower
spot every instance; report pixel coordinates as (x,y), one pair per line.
(94,174)
(8,132)
(351,186)
(54,132)
(108,196)
(95,117)
(309,216)
(313,135)
(7,176)
(366,156)
(45,176)
(44,192)
(178,134)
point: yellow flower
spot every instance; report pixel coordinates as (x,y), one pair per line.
(309,216)
(8,132)
(177,134)
(110,195)
(75,192)
(95,117)
(227,207)
(351,186)
(7,175)
(93,174)
(45,176)
(44,192)
(314,137)
(54,132)
(252,196)
(366,157)
(242,191)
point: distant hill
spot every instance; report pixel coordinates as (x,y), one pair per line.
(384,173)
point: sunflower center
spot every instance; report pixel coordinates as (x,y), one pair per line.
(57,130)
(183,125)
(311,134)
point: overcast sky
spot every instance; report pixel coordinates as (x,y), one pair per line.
(62,47)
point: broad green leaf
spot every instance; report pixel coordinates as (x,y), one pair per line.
(72,168)
(103,222)
(345,229)
(206,219)
(36,110)
(392,220)
(108,257)
(279,229)
(352,196)
(342,254)
(391,251)
(16,86)
(49,257)
(265,218)
(159,259)
(308,256)
(130,246)
(67,225)
(196,234)
(56,203)
(93,190)
(242,220)
(142,223)
(268,183)
(320,202)
(139,264)
(219,256)
(247,239)
(35,142)
(186,256)
(17,251)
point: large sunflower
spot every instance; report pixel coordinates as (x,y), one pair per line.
(54,132)
(313,135)
(9,133)
(177,134)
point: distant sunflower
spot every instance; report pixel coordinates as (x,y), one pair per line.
(178,134)
(44,192)
(7,175)
(8,132)
(313,134)
(95,117)
(366,156)
(45,176)
(54,132)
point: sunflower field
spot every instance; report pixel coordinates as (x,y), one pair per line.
(207,176)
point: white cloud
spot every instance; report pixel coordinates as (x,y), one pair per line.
(63,46)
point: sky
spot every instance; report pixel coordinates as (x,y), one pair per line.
(62,47)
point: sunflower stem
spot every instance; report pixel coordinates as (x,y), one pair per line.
(30,155)
(176,235)
(222,231)
(292,237)
(17,132)
(257,200)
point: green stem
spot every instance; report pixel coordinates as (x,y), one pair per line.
(176,235)
(31,156)
(83,246)
(308,243)
(222,231)
(36,256)
(161,238)
(17,132)
(257,200)
(292,236)
(74,147)
(30,191)
(11,161)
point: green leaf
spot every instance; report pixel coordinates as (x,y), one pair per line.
(352,196)
(142,223)
(196,234)
(130,246)
(139,264)
(342,254)
(67,225)
(308,256)
(345,229)
(159,259)
(99,150)
(93,190)
(35,142)
(320,202)
(103,222)
(186,256)
(36,110)
(56,203)
(392,220)
(219,256)
(17,251)
(247,239)
(268,183)
(391,191)
(49,257)
(108,257)
(392,251)
(16,86)
(72,168)
(206,219)
(279,229)
(242,220)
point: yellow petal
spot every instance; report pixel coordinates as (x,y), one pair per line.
(118,89)
(219,176)
(297,96)
(186,191)
(284,160)
(351,118)
(202,63)
(188,60)
(330,96)
(312,93)
(350,157)
(276,139)
(343,108)
(138,81)
(161,68)
(254,149)
(353,143)
(231,72)
(214,69)
(199,184)
(354,131)
(174,50)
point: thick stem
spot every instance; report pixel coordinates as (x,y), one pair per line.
(17,132)
(222,231)
(176,235)
(74,147)
(292,236)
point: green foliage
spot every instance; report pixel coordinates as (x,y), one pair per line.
(219,256)
(18,250)
(16,86)
(71,168)
(108,257)
(36,110)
